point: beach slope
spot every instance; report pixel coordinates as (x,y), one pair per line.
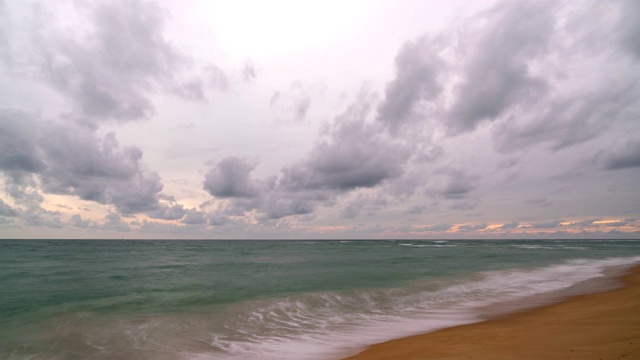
(597,326)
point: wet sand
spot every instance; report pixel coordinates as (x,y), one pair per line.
(597,326)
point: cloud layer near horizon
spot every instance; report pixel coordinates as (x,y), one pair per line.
(519,120)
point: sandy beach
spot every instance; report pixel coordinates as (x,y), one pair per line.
(597,326)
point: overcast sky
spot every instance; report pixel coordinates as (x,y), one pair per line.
(327,119)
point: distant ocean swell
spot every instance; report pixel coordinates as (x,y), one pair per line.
(310,325)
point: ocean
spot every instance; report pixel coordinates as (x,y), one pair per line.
(312,300)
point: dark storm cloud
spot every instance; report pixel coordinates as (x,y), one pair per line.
(496,74)
(416,80)
(111,72)
(512,71)
(355,154)
(571,119)
(99,170)
(270,201)
(72,160)
(622,157)
(231,178)
(18,150)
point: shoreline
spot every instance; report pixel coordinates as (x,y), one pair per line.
(601,325)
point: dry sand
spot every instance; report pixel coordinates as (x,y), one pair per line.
(598,326)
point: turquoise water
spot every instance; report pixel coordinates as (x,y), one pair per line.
(267,299)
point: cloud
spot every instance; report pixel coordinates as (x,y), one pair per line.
(547,224)
(340,163)
(40,217)
(172,212)
(496,75)
(110,70)
(217,78)
(570,119)
(295,102)
(616,223)
(459,186)
(23,188)
(114,222)
(371,204)
(511,225)
(77,221)
(535,78)
(27,199)
(542,202)
(194,216)
(506,164)
(629,27)
(547,84)
(216,219)
(72,160)
(452,184)
(230,178)
(5,45)
(18,150)
(6,210)
(248,71)
(301,107)
(335,166)
(277,207)
(99,170)
(437,227)
(472,228)
(417,79)
(581,102)
(623,156)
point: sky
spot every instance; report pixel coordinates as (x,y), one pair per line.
(319,119)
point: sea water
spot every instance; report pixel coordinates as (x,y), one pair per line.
(70,299)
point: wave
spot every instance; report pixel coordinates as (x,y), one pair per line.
(311,326)
(548,247)
(317,326)
(435,244)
